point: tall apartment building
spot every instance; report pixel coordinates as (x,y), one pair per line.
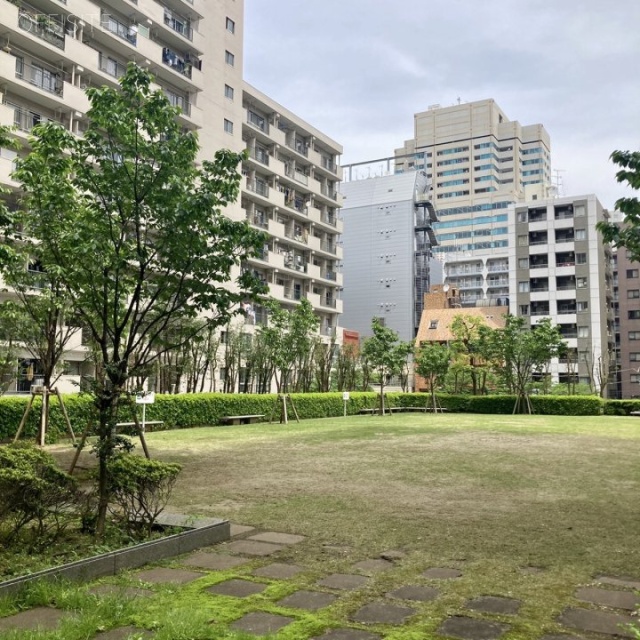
(561,269)
(388,239)
(51,51)
(479,162)
(290,191)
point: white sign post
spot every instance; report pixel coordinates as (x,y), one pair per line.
(345,399)
(144,399)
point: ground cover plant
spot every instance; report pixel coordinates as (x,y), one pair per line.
(525,506)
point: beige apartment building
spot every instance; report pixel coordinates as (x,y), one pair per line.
(51,51)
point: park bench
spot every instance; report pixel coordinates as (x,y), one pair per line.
(247,419)
(634,413)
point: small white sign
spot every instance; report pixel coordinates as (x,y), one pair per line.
(345,395)
(146,398)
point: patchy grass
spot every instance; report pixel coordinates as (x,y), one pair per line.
(490,495)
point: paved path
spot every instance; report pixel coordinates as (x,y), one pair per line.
(601,609)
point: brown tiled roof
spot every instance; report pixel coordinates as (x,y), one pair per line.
(493,317)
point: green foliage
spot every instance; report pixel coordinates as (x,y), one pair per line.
(620,407)
(626,234)
(33,490)
(140,489)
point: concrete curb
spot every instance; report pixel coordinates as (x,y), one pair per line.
(198,533)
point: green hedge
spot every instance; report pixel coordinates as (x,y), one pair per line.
(192,410)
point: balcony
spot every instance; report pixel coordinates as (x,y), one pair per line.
(536,237)
(257,121)
(182,65)
(111,66)
(43,26)
(299,146)
(260,155)
(40,77)
(179,24)
(564,236)
(259,187)
(120,29)
(537,215)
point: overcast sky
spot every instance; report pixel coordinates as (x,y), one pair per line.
(359,69)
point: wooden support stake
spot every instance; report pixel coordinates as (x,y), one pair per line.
(293,406)
(65,414)
(25,415)
(80,446)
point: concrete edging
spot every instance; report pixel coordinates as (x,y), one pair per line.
(198,534)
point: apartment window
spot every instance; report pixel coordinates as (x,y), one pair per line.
(581,283)
(523,241)
(433,324)
(581,258)
(582,305)
(228,126)
(632,273)
(523,309)
(581,234)
(633,293)
(579,211)
(523,287)
(583,332)
(229,58)
(634,377)
(522,216)
(634,314)
(523,263)
(228,92)
(634,335)
(231,25)
(634,356)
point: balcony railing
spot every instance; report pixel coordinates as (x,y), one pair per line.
(538,265)
(178,24)
(497,267)
(329,302)
(178,101)
(298,237)
(257,121)
(539,312)
(259,187)
(329,247)
(111,66)
(25,119)
(261,156)
(176,62)
(41,25)
(328,164)
(330,193)
(299,146)
(43,78)
(124,31)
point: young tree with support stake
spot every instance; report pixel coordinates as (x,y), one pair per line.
(136,234)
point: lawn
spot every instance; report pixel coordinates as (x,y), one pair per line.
(495,496)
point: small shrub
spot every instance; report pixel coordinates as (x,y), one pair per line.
(33,490)
(140,489)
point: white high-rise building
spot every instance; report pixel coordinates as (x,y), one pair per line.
(51,51)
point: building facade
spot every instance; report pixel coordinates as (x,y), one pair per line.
(52,51)
(387,239)
(561,269)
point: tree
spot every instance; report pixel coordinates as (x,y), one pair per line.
(384,353)
(291,337)
(134,231)
(523,351)
(471,337)
(432,363)
(8,349)
(626,234)
(347,359)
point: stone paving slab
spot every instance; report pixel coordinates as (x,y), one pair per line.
(609,598)
(620,581)
(161,575)
(308,600)
(185,522)
(472,629)
(347,634)
(278,571)
(261,624)
(612,624)
(277,538)
(237,588)
(118,590)
(213,561)
(344,581)
(414,592)
(254,547)
(373,566)
(45,618)
(382,613)
(532,570)
(495,604)
(122,633)
(239,529)
(442,573)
